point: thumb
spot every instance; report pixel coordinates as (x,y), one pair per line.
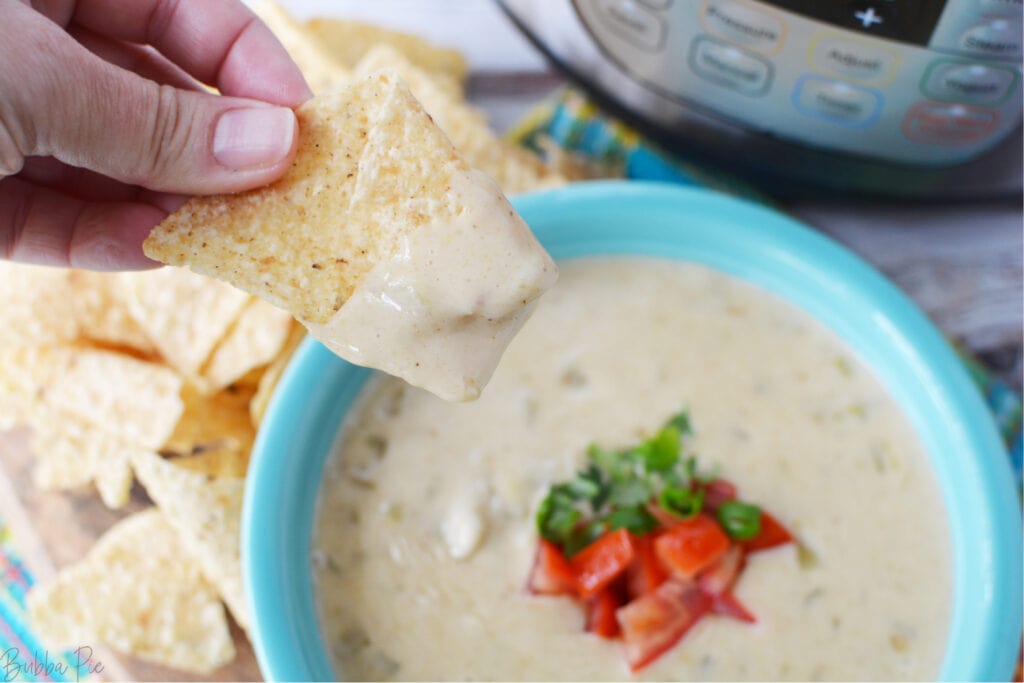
(92,114)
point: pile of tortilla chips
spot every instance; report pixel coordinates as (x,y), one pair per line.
(160,376)
(163,376)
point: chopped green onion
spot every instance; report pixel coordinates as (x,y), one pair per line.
(681,502)
(741,521)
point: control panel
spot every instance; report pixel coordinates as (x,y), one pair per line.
(913,81)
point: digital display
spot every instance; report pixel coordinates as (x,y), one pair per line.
(908,21)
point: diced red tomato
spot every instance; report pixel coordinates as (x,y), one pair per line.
(727,604)
(720,576)
(652,624)
(646,571)
(551,574)
(600,613)
(691,545)
(772,534)
(602,562)
(717,492)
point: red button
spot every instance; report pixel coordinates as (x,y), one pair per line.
(941,123)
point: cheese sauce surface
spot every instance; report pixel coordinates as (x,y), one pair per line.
(425,525)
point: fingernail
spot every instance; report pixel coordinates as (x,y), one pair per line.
(247,139)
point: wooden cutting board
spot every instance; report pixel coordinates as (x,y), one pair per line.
(51,530)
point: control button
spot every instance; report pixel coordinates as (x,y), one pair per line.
(868,17)
(633,23)
(729,66)
(994,37)
(937,123)
(657,4)
(837,101)
(740,23)
(970,83)
(855,59)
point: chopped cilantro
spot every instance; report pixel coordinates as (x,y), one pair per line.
(620,488)
(681,421)
(635,519)
(628,492)
(662,451)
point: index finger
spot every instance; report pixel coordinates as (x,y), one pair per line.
(220,42)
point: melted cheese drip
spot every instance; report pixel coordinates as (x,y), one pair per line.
(441,311)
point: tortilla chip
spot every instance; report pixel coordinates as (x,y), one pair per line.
(306,241)
(102,316)
(215,433)
(323,72)
(89,410)
(24,373)
(253,340)
(206,512)
(269,379)
(185,315)
(37,305)
(131,399)
(70,454)
(514,168)
(139,592)
(348,41)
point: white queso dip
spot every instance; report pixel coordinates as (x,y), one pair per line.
(425,527)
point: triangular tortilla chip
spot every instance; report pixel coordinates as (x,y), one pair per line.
(514,168)
(348,41)
(102,316)
(305,242)
(38,306)
(139,592)
(206,512)
(254,340)
(71,453)
(185,315)
(137,401)
(24,374)
(323,72)
(89,410)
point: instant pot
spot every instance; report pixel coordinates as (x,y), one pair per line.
(909,98)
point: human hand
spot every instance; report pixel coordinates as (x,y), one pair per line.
(104,125)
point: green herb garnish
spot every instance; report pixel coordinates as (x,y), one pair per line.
(632,488)
(681,502)
(741,521)
(613,492)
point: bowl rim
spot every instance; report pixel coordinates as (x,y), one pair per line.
(757,244)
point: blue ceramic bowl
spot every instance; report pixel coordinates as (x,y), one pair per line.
(909,355)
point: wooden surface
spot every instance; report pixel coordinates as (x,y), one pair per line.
(962,264)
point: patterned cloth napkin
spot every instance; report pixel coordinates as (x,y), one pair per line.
(574,125)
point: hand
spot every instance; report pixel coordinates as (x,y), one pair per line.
(104,124)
